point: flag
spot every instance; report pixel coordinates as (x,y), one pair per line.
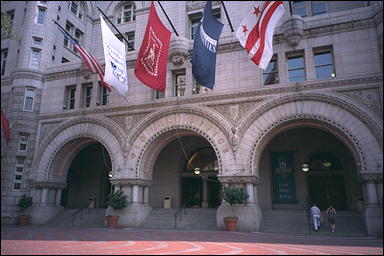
(6,128)
(205,48)
(115,60)
(255,32)
(90,61)
(152,59)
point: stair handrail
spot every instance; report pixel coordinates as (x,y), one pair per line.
(179,211)
(80,210)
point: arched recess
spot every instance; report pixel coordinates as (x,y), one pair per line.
(66,140)
(162,126)
(354,124)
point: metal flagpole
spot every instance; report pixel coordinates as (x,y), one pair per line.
(168,18)
(225,10)
(105,16)
(65,31)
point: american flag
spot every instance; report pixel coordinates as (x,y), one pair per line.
(90,61)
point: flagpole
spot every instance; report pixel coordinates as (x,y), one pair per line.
(105,16)
(65,31)
(225,10)
(290,7)
(168,18)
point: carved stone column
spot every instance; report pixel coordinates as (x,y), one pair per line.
(58,196)
(371,183)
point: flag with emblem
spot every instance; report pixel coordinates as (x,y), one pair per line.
(6,127)
(115,60)
(152,59)
(255,31)
(205,48)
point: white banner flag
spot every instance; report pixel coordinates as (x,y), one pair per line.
(115,61)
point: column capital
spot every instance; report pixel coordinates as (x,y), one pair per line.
(371,177)
(239,179)
(140,182)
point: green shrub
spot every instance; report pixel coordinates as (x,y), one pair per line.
(25,201)
(235,195)
(117,200)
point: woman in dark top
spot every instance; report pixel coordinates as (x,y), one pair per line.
(331,212)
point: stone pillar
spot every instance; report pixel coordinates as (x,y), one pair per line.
(135,194)
(249,188)
(146,195)
(370,189)
(205,194)
(141,196)
(58,196)
(44,196)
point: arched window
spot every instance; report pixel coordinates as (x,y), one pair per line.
(204,159)
(325,161)
(126,13)
(75,8)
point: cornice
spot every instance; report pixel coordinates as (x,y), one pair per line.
(28,74)
(371,177)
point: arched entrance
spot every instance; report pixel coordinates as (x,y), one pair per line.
(174,173)
(330,179)
(88,177)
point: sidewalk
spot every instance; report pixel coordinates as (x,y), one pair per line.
(53,240)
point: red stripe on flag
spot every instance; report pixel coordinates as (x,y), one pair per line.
(254,34)
(257,57)
(6,128)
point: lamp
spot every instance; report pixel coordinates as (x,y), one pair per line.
(197,170)
(110,174)
(305,167)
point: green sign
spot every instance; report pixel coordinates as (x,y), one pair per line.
(283,177)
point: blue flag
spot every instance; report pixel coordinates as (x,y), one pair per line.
(205,48)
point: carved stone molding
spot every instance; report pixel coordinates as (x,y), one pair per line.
(374,177)
(368,97)
(293,30)
(140,182)
(178,50)
(239,179)
(44,184)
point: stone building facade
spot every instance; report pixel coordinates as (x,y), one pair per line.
(319,103)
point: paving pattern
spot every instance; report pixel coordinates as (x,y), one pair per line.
(34,240)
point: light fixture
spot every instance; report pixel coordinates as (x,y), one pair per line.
(305,167)
(327,164)
(110,174)
(197,170)
(333,74)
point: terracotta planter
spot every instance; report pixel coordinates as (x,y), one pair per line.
(230,224)
(24,220)
(112,221)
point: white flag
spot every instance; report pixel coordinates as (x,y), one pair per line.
(115,61)
(255,31)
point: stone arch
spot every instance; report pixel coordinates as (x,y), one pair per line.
(203,122)
(69,138)
(114,6)
(355,126)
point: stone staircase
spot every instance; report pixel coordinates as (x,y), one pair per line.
(192,218)
(93,217)
(348,223)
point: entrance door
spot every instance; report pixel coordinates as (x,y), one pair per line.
(192,191)
(327,190)
(213,192)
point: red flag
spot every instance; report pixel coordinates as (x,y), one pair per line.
(151,62)
(6,129)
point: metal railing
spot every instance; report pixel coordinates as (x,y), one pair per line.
(81,209)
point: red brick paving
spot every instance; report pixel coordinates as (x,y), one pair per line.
(34,240)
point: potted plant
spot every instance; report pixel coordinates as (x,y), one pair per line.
(24,202)
(233,195)
(117,200)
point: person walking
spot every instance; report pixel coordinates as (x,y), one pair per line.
(316,215)
(331,212)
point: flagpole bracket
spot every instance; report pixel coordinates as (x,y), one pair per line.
(293,30)
(178,50)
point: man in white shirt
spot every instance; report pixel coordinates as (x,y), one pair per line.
(316,214)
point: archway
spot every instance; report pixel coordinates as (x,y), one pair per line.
(88,177)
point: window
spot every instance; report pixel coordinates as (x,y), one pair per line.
(159,95)
(87,95)
(194,25)
(37,41)
(324,63)
(69,28)
(130,36)
(4,54)
(104,95)
(271,74)
(179,84)
(296,70)
(29,99)
(196,18)
(23,142)
(41,15)
(64,60)
(75,8)
(70,94)
(308,8)
(35,58)
(18,176)
(198,88)
(78,36)
(126,13)
(11,16)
